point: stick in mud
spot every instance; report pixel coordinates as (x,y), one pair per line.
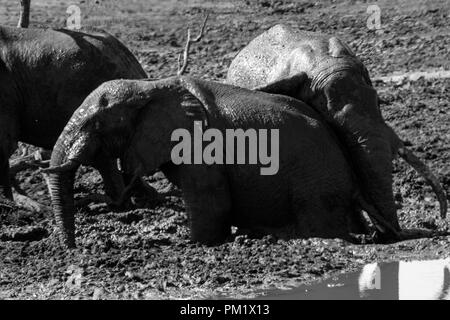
(189,41)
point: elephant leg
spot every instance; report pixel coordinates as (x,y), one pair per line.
(208,203)
(112,178)
(8,143)
(140,189)
(137,188)
(5,185)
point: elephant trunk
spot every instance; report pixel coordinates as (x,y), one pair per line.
(372,144)
(60,184)
(71,150)
(61,191)
(372,158)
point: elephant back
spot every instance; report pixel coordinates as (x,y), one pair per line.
(283,52)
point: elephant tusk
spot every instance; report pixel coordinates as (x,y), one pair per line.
(429,177)
(380,223)
(65,167)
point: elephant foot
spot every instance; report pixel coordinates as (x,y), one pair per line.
(137,193)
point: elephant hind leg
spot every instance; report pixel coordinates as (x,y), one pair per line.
(208,203)
(8,144)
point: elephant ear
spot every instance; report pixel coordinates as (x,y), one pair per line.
(292,86)
(195,102)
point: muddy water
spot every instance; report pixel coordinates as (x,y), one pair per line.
(402,280)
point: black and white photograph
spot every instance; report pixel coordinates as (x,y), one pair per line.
(224,154)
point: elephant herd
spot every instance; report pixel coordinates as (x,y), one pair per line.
(84,95)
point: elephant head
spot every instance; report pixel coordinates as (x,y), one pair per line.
(116,121)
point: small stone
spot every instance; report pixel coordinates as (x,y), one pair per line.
(98,293)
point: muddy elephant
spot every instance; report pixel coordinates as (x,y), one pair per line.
(312,193)
(45,75)
(322,71)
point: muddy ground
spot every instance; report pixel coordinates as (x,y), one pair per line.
(146,253)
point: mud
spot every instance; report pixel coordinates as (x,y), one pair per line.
(146,253)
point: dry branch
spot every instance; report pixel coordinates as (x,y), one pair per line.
(24,19)
(189,41)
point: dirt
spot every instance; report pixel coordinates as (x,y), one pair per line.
(146,253)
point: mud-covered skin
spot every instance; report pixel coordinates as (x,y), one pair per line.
(312,194)
(45,75)
(322,71)
(282,52)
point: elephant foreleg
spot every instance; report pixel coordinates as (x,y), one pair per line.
(5,185)
(7,146)
(112,178)
(208,203)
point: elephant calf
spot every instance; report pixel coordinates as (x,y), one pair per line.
(45,75)
(311,194)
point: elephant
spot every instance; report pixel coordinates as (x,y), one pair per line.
(45,75)
(322,71)
(313,192)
